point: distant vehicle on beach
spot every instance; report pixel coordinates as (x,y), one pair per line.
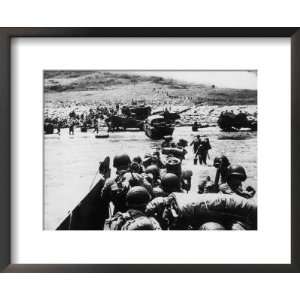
(131,117)
(48,128)
(196,126)
(157,126)
(230,121)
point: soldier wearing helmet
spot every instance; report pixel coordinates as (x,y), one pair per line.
(156,160)
(155,172)
(121,162)
(159,192)
(136,165)
(236,175)
(173,165)
(137,198)
(170,183)
(207,186)
(167,141)
(221,163)
(196,143)
(115,189)
(147,161)
(131,220)
(152,159)
(212,226)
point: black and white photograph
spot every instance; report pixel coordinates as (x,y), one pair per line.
(150,149)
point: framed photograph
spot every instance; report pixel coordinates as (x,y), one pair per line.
(149,150)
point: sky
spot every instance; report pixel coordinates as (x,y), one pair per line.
(231,79)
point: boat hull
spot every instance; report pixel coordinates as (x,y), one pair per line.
(89,214)
(101,136)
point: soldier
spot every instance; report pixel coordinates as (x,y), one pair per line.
(137,198)
(137,159)
(58,128)
(155,172)
(134,218)
(156,160)
(206,148)
(167,141)
(236,175)
(221,163)
(71,128)
(136,165)
(182,143)
(131,220)
(202,151)
(212,226)
(115,189)
(173,165)
(170,183)
(147,161)
(195,126)
(96,126)
(207,186)
(196,143)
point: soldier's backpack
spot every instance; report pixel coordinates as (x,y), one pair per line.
(131,220)
(181,210)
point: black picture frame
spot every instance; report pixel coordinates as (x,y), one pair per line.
(6,34)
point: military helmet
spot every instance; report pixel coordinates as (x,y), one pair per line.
(237,225)
(212,226)
(141,223)
(173,165)
(182,143)
(154,170)
(121,160)
(137,159)
(158,192)
(237,171)
(136,167)
(209,187)
(217,162)
(133,178)
(137,197)
(221,161)
(170,183)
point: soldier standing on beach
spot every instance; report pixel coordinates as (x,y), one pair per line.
(71,129)
(196,143)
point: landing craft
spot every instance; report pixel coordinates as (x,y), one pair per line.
(91,212)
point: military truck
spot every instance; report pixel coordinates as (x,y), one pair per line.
(132,116)
(230,121)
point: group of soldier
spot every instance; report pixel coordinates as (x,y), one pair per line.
(145,194)
(201,148)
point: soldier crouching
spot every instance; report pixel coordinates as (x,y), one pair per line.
(233,185)
(134,217)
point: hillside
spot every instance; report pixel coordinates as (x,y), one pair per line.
(63,88)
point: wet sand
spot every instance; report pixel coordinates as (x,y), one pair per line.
(71,162)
